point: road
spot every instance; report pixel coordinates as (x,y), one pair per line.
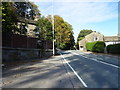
(92,70)
(70,69)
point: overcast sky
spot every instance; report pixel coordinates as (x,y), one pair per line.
(99,16)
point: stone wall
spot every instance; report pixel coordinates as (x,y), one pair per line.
(11,54)
(94,36)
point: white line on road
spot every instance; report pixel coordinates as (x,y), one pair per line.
(74,72)
(97,60)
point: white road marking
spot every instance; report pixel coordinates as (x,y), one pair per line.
(97,60)
(74,72)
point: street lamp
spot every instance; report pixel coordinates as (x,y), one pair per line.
(53,27)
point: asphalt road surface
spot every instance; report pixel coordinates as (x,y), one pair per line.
(93,70)
(70,69)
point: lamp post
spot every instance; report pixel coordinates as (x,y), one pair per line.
(53,27)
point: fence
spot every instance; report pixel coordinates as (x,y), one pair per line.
(18,41)
(21,47)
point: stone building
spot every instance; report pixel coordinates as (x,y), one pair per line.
(94,36)
(30,26)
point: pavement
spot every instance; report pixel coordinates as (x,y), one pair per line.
(46,73)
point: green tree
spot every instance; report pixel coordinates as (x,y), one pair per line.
(9,17)
(82,35)
(49,17)
(45,29)
(11,11)
(27,10)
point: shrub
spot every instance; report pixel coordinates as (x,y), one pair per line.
(97,46)
(115,48)
(89,46)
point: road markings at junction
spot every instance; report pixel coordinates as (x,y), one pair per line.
(74,72)
(97,60)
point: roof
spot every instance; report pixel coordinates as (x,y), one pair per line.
(111,38)
(82,42)
(93,33)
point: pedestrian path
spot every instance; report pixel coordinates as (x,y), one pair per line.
(48,73)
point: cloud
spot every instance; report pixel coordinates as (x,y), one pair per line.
(41,0)
(45,8)
(83,15)
(89,14)
(86,12)
(75,0)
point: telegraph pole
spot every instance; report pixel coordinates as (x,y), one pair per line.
(53,27)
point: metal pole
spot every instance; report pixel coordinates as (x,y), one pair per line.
(53,27)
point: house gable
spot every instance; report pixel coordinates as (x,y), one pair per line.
(94,36)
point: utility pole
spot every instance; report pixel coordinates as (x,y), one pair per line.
(53,27)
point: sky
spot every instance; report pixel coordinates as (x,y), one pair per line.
(100,16)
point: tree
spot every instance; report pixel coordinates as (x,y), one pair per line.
(45,29)
(9,17)
(63,33)
(49,17)
(27,10)
(11,11)
(82,35)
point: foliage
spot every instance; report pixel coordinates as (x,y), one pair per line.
(83,33)
(115,48)
(26,9)
(97,46)
(49,17)
(45,29)
(11,11)
(63,33)
(77,45)
(9,17)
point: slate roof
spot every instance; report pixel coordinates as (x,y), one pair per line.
(111,38)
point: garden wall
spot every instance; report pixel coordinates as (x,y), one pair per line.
(11,54)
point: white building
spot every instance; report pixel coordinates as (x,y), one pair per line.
(111,40)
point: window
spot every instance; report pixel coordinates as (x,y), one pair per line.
(95,38)
(81,46)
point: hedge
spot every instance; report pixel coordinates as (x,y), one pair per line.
(115,48)
(97,46)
